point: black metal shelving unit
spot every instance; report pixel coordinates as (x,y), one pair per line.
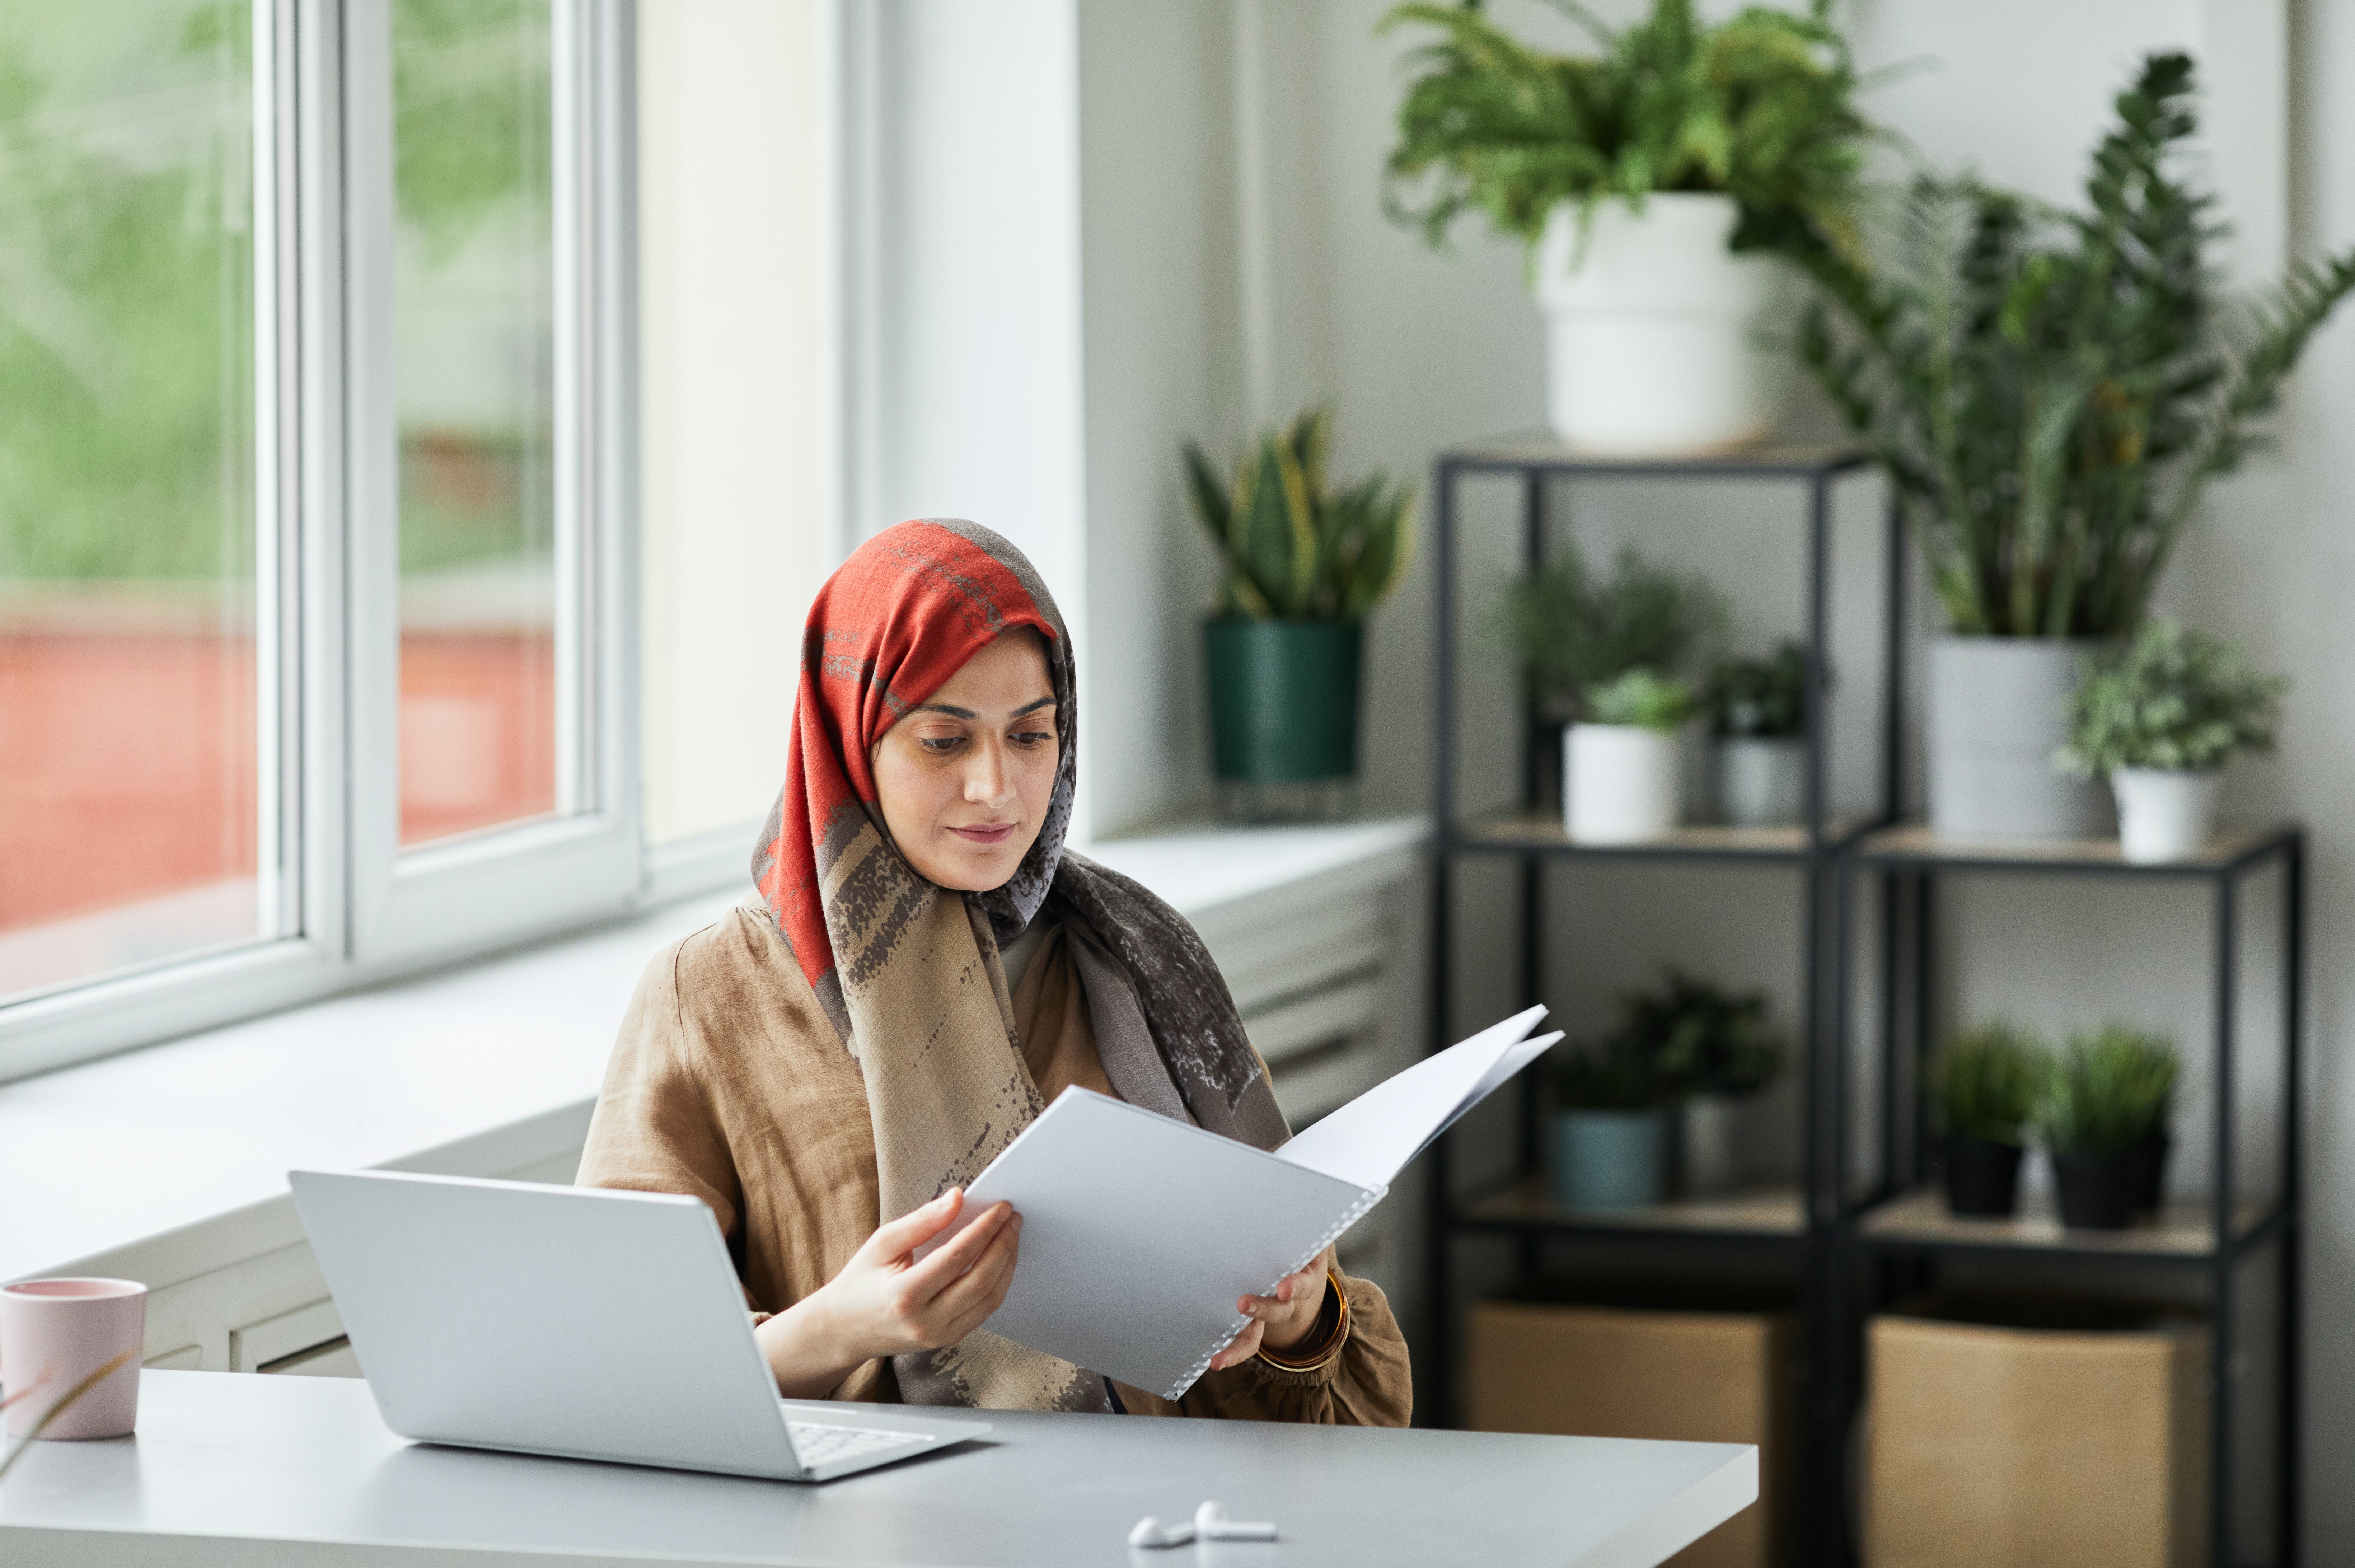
(1855,1247)
(1533,836)
(2213,1240)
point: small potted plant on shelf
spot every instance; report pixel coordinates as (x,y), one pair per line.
(1304,564)
(1610,1125)
(1652,183)
(1758,714)
(1982,1088)
(2101,1111)
(2050,394)
(2162,719)
(1719,1049)
(1607,656)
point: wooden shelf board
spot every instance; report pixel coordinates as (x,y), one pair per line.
(1545,831)
(2180,1230)
(1916,842)
(1772,1211)
(1541,448)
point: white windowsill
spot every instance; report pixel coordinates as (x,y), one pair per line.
(160,1163)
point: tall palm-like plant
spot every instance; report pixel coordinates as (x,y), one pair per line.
(2052,392)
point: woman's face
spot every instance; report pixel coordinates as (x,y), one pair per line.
(965,778)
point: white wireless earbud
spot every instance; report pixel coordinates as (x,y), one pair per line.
(1212,1524)
(1151,1531)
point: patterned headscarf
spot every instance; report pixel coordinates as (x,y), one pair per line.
(909,972)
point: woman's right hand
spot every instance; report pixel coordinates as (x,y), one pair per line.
(886,1302)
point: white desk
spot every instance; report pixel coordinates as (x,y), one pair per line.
(258,1472)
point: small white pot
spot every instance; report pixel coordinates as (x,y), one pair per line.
(2165,816)
(1760,780)
(1651,329)
(1620,783)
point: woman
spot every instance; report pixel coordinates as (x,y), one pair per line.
(924,969)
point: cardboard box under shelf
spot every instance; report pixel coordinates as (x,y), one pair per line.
(1608,1371)
(2020,1434)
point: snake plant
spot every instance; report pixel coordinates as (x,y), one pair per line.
(1295,548)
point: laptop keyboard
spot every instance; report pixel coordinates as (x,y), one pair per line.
(817,1444)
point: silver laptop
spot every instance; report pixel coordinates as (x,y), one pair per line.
(574,1321)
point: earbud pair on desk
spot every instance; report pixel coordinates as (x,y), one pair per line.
(1211,1523)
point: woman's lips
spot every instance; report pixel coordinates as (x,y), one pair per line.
(989,833)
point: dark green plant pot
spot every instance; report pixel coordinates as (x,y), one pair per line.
(1284,700)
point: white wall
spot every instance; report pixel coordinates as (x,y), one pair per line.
(731,540)
(1422,350)
(1162,344)
(967,369)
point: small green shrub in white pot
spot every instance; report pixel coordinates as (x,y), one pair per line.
(1652,183)
(1605,656)
(1621,762)
(2162,719)
(1758,719)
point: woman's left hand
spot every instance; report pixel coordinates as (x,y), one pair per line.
(1278,1321)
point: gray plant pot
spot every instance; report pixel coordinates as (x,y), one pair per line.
(1759,781)
(1997,710)
(1609,1159)
(1711,1151)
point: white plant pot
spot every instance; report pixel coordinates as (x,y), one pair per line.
(1761,781)
(1999,708)
(2165,816)
(1620,783)
(1651,329)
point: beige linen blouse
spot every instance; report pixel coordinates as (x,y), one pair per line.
(729,1084)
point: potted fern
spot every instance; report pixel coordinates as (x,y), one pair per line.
(2103,1110)
(2050,394)
(1982,1088)
(1605,657)
(1758,713)
(1303,563)
(2162,719)
(1650,182)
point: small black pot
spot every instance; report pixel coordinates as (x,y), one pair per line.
(2096,1189)
(1982,1179)
(2149,1158)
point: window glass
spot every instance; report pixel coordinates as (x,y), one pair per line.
(128,747)
(474,324)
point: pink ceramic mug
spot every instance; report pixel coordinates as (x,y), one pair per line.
(56,1332)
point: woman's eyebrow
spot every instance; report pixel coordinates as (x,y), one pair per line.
(956,712)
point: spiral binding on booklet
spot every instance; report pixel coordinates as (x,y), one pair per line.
(1357,1211)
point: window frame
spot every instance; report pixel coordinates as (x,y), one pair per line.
(342,905)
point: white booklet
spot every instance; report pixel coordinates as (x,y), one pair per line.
(1138,1232)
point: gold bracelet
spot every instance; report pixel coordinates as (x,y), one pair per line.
(1335,1338)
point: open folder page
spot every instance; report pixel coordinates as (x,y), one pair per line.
(1139,1232)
